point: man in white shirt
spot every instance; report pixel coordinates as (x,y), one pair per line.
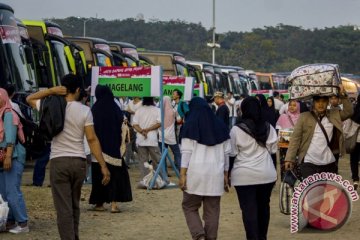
(230,103)
(146,122)
(277,101)
(68,159)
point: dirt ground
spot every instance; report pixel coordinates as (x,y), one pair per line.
(157,215)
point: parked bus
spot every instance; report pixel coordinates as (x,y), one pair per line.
(270,82)
(173,63)
(97,53)
(125,54)
(206,70)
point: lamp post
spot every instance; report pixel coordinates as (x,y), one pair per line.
(213,45)
(84,21)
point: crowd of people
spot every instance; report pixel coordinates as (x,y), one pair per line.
(226,142)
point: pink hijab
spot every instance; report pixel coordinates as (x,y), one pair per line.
(16,120)
(284,119)
(169,114)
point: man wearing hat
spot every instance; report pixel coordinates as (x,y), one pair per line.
(222,111)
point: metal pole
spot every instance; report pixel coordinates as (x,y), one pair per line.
(213,50)
(85,28)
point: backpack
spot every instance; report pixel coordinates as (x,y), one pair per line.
(52,116)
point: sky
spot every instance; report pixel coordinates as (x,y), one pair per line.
(231,15)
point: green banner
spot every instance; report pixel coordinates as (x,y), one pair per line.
(168,89)
(128,87)
(197,92)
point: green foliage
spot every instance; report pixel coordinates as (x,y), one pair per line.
(269,49)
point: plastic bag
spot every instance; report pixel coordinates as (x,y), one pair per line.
(145,182)
(4,211)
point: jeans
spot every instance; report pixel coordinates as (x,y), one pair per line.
(10,182)
(40,166)
(177,154)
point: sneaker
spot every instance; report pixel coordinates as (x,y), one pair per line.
(19,229)
(356,185)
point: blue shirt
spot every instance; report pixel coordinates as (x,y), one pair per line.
(10,136)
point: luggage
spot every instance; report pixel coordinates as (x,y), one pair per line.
(287,185)
(314,80)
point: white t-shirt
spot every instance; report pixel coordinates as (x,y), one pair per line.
(319,153)
(133,107)
(145,117)
(205,172)
(278,104)
(70,142)
(169,135)
(284,108)
(232,110)
(253,164)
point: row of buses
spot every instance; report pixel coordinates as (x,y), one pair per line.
(36,54)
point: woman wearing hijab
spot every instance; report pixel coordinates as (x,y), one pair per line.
(169,131)
(269,115)
(350,128)
(205,147)
(287,121)
(12,166)
(271,104)
(108,119)
(253,141)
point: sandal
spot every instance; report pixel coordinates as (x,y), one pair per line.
(116,210)
(98,209)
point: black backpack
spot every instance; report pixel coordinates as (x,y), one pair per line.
(52,116)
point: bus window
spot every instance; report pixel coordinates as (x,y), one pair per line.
(264,82)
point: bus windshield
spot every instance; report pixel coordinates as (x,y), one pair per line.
(132,52)
(280,82)
(60,61)
(264,82)
(14,53)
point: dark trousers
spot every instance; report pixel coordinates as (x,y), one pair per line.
(66,177)
(255,206)
(40,166)
(211,213)
(308,169)
(354,162)
(176,152)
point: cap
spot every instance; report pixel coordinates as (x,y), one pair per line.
(218,94)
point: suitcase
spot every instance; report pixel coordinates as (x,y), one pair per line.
(314,80)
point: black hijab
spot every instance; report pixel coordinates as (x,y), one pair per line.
(268,114)
(252,117)
(108,119)
(202,125)
(356,116)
